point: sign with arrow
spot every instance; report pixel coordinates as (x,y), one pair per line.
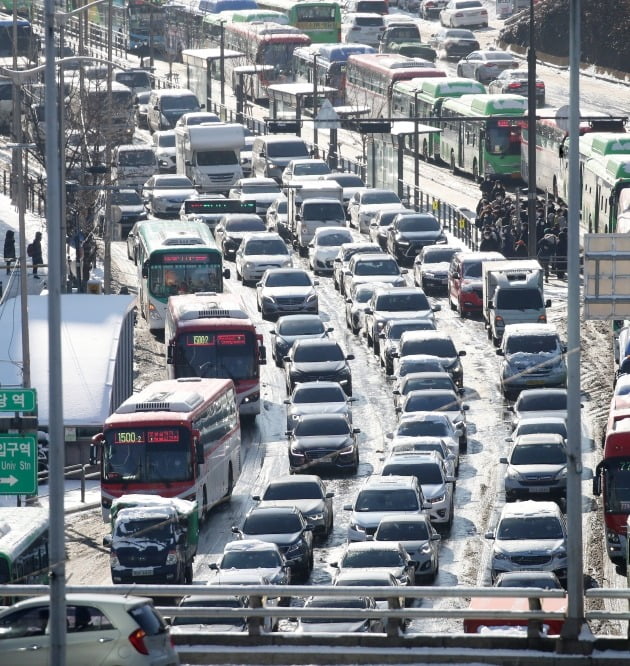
(327,117)
(18,465)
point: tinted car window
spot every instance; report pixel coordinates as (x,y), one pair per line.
(270,246)
(244,225)
(372,558)
(148,619)
(424,472)
(287,149)
(379,197)
(442,347)
(523,299)
(264,522)
(379,267)
(317,354)
(539,454)
(531,344)
(242,559)
(320,394)
(323,427)
(543,402)
(284,491)
(531,527)
(387,500)
(403,531)
(301,327)
(402,302)
(411,223)
(430,403)
(423,429)
(296,279)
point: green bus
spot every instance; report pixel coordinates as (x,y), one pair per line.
(23,546)
(174,257)
(481,134)
(605,194)
(422,98)
(319,19)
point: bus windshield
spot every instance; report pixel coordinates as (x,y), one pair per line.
(503,138)
(151,454)
(227,355)
(617,486)
(185,278)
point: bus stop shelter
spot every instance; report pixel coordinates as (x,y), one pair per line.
(202,67)
(386,155)
(288,101)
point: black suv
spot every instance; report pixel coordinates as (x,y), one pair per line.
(408,234)
(320,359)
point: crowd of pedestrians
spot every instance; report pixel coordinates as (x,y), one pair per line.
(504,226)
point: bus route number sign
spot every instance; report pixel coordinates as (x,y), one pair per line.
(18,465)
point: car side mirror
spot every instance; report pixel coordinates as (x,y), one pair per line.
(347,507)
(436,308)
(316,283)
(465,408)
(214,566)
(286,359)
(548,303)
(107,540)
(350,357)
(356,431)
(499,352)
(462,353)
(404,271)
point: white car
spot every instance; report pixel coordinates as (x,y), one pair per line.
(197,118)
(246,556)
(304,169)
(324,247)
(362,28)
(264,191)
(373,268)
(164,149)
(485,66)
(365,204)
(464,14)
(164,194)
(258,252)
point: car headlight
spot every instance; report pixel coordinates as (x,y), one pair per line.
(347,450)
(380,325)
(249,264)
(287,263)
(316,516)
(171,558)
(357,528)
(500,555)
(400,241)
(271,299)
(438,499)
(562,474)
(294,548)
(561,552)
(425,550)
(311,297)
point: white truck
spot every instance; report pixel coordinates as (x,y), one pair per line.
(210,155)
(313,204)
(512,294)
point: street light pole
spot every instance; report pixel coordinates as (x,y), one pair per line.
(531,138)
(315,134)
(222,65)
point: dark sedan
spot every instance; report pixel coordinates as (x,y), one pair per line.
(232,228)
(293,327)
(454,42)
(313,360)
(323,440)
(515,81)
(408,234)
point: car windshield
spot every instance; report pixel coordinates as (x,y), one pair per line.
(363,295)
(387,500)
(289,491)
(331,603)
(347,180)
(419,383)
(379,197)
(150,529)
(431,401)
(272,522)
(332,239)
(179,102)
(250,559)
(541,427)
(497,55)
(372,558)
(413,223)
(386,217)
(319,394)
(393,302)
(317,353)
(166,140)
(518,299)
(472,269)
(539,454)
(126,199)
(287,149)
(437,256)
(300,326)
(325,211)
(395,330)
(530,527)
(312,168)
(426,472)
(441,347)
(174,182)
(403,531)
(407,366)
(321,427)
(269,246)
(289,279)
(423,429)
(377,267)
(260,188)
(531,344)
(244,225)
(542,402)
(468,4)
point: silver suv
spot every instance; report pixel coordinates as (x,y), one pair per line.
(533,356)
(530,536)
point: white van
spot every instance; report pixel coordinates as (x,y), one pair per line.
(133,165)
(273,152)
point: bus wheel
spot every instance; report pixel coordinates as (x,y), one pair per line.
(453,166)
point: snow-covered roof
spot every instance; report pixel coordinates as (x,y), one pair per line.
(91,330)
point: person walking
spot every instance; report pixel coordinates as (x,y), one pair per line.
(561,253)
(36,253)
(9,249)
(546,250)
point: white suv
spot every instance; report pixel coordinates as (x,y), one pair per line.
(362,27)
(383,496)
(530,536)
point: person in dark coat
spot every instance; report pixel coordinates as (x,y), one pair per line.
(9,249)
(561,253)
(545,251)
(520,250)
(489,242)
(36,255)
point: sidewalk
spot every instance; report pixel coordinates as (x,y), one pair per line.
(72,496)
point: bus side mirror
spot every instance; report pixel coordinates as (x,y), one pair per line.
(170,353)
(95,445)
(145,269)
(226,273)
(262,360)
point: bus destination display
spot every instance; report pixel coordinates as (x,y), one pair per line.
(146,436)
(218,206)
(211,340)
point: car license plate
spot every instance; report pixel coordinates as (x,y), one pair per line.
(142,571)
(541,490)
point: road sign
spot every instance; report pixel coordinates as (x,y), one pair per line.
(18,465)
(18,400)
(327,117)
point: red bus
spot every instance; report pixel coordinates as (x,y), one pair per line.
(211,335)
(268,44)
(612,482)
(175,438)
(370,78)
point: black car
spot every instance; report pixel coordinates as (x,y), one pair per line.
(308,493)
(515,82)
(320,359)
(323,440)
(285,526)
(454,42)
(290,328)
(408,234)
(232,228)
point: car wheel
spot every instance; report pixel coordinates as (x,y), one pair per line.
(389,368)
(348,389)
(459,71)
(463,443)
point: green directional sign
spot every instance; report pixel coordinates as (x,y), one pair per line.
(18,400)
(18,465)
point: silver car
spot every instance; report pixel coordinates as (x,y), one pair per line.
(536,468)
(100,628)
(529,536)
(318,397)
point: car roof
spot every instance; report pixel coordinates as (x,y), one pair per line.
(318,383)
(316,342)
(529,508)
(541,392)
(391,481)
(290,479)
(262,235)
(93,598)
(424,416)
(297,317)
(425,375)
(275,508)
(411,457)
(539,438)
(406,518)
(275,271)
(257,180)
(372,545)
(530,329)
(249,545)
(333,416)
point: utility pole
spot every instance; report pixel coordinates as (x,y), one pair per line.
(531,138)
(107,230)
(315,135)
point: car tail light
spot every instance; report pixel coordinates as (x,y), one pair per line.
(137,640)
(514,85)
(540,85)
